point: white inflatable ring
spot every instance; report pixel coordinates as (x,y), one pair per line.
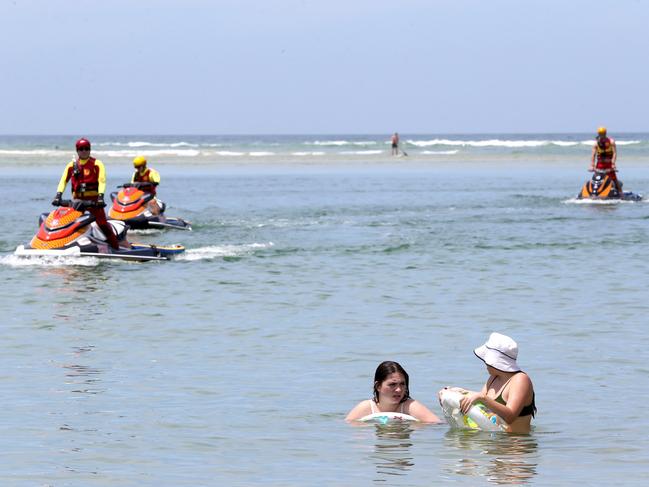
(478,417)
(385,418)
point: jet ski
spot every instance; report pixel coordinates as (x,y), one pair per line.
(602,187)
(70,231)
(133,206)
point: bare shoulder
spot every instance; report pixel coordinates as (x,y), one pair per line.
(407,404)
(362,409)
(420,411)
(412,405)
(522,380)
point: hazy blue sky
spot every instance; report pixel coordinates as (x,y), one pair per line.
(326,66)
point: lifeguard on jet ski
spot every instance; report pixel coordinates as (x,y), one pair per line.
(136,203)
(79,226)
(72,230)
(604,184)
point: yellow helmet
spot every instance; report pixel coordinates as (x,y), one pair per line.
(139,161)
(601,131)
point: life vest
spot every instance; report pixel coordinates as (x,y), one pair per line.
(604,147)
(84,179)
(144,178)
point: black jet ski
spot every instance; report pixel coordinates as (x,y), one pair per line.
(135,206)
(602,187)
(70,231)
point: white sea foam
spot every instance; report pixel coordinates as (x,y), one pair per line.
(440,152)
(159,152)
(328,142)
(136,144)
(315,153)
(479,143)
(48,261)
(338,143)
(216,251)
(229,153)
(562,143)
(32,152)
(508,143)
(362,152)
(261,153)
(588,201)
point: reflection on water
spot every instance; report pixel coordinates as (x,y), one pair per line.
(75,292)
(75,278)
(82,378)
(392,454)
(501,458)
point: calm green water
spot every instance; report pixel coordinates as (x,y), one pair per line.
(236,364)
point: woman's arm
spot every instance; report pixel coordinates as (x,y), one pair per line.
(520,388)
(362,409)
(422,413)
(467,401)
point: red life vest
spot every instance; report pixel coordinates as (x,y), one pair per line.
(604,148)
(84,179)
(144,178)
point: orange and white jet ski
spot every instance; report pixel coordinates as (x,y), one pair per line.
(70,231)
(137,208)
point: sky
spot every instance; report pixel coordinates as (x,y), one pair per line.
(323,66)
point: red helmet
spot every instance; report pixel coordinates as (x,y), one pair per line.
(85,143)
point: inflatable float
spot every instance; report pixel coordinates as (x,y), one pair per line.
(478,417)
(387,418)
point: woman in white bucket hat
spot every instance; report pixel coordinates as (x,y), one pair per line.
(508,391)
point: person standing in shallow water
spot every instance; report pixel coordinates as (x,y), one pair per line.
(392,394)
(395,144)
(509,391)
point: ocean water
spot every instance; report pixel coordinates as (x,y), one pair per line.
(236,363)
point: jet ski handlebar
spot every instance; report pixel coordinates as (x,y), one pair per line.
(82,205)
(138,185)
(603,171)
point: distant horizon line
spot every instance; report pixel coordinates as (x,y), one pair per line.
(307,134)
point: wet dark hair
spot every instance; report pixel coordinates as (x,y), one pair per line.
(383,371)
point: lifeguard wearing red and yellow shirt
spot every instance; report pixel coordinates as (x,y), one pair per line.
(88,178)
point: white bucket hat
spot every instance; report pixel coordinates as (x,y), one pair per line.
(500,352)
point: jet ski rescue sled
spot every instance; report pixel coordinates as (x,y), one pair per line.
(68,231)
(132,205)
(602,187)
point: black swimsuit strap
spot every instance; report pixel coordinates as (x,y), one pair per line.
(504,385)
(528,410)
